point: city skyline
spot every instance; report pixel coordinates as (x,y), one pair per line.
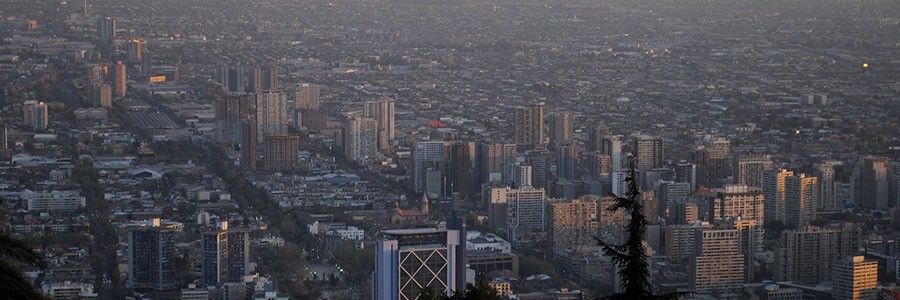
(381,150)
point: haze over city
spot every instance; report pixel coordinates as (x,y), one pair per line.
(462,149)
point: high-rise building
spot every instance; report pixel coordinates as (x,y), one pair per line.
(774,193)
(539,160)
(650,179)
(262,78)
(410,260)
(307,96)
(520,211)
(573,223)
(424,154)
(225,255)
(281,151)
(714,162)
(699,157)
(649,152)
(608,216)
(133,51)
(241,291)
(612,146)
(870,182)
(685,213)
(230,113)
(95,76)
(270,76)
(525,212)
(670,194)
(651,202)
(521,175)
(750,167)
(807,255)
(595,137)
(800,200)
(893,182)
(791,199)
(151,254)
(146,63)
(106,31)
(828,200)
(721,148)
(221,75)
(619,184)
(563,189)
(248,144)
(120,80)
(681,241)
(566,157)
(437,179)
(495,161)
(529,125)
(312,119)
(598,164)
(497,205)
(461,169)
(4,143)
(28,113)
(718,268)
(105,95)
(34,115)
(560,128)
(361,139)
(255,78)
(235,79)
(855,278)
(752,236)
(686,172)
(382,111)
(307,103)
(612,223)
(271,113)
(739,202)
(492,159)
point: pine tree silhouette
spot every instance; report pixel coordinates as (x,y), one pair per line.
(631,257)
(13,283)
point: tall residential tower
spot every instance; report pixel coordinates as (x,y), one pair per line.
(528,127)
